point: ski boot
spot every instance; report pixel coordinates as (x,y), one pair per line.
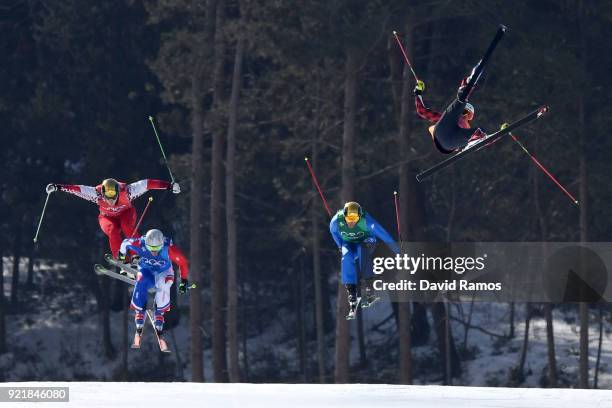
(159,329)
(139,319)
(353,300)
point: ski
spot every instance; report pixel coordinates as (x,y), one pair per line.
(353,310)
(367,303)
(483,142)
(163,346)
(479,68)
(131,272)
(102,270)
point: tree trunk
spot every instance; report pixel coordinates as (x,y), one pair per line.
(230,217)
(316,267)
(197,197)
(512,308)
(245,354)
(109,350)
(446,344)
(2,308)
(403,312)
(550,334)
(550,343)
(599,342)
(217,276)
(582,130)
(15,276)
(126,337)
(343,340)
(519,376)
(196,231)
(30,275)
(301,321)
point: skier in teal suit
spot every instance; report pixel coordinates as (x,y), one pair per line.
(356,234)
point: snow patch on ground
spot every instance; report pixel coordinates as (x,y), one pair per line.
(188,395)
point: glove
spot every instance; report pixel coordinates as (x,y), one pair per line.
(134,261)
(51,188)
(175,187)
(419,88)
(504,125)
(183,286)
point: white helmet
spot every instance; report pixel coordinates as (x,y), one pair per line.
(469,107)
(154,240)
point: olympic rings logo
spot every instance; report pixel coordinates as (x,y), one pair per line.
(153,262)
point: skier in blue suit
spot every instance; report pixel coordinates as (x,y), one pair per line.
(356,234)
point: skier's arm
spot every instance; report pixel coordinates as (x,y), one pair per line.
(424,112)
(335,233)
(132,244)
(178,257)
(382,234)
(88,193)
(135,190)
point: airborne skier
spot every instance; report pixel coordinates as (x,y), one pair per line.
(114,200)
(154,254)
(452,130)
(355,233)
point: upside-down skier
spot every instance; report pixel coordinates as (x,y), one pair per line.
(114,200)
(452,129)
(154,255)
(356,233)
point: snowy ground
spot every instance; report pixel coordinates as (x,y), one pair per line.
(189,395)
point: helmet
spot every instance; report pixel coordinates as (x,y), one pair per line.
(110,188)
(154,240)
(352,211)
(468,108)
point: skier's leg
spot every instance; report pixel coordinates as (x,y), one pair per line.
(128,222)
(448,136)
(112,229)
(139,297)
(366,268)
(349,263)
(350,258)
(470,82)
(163,283)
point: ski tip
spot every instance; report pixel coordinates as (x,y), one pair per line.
(151,118)
(306,158)
(34,240)
(394,32)
(394,192)
(150,198)
(577,202)
(503,27)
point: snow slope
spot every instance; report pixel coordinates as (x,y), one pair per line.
(187,395)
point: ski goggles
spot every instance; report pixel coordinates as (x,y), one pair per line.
(154,248)
(352,217)
(110,193)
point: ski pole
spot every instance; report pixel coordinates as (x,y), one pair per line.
(41,217)
(141,217)
(405,55)
(314,178)
(397,216)
(161,148)
(537,163)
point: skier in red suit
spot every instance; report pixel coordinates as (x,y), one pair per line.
(114,200)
